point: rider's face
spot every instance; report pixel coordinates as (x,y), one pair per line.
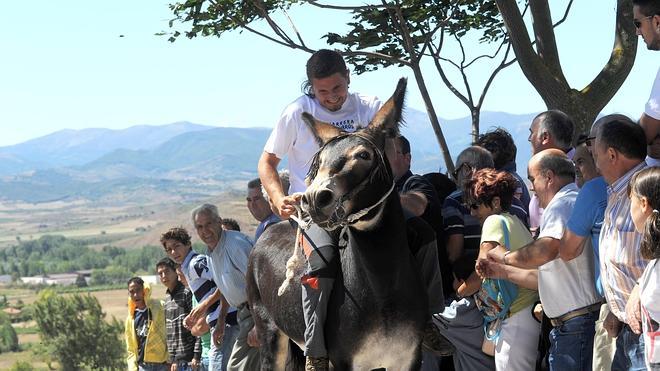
(331,91)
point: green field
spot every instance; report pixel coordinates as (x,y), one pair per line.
(113,302)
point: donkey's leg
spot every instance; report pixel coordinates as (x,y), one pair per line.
(416,363)
(268,335)
(295,360)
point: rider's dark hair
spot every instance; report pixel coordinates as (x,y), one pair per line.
(648,7)
(321,64)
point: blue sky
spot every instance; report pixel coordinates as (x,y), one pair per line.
(66,66)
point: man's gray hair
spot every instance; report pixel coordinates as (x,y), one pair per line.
(560,126)
(477,157)
(558,164)
(207,209)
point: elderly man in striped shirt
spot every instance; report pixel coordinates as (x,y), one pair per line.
(619,152)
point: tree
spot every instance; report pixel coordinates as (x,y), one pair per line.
(8,337)
(543,69)
(77,334)
(393,33)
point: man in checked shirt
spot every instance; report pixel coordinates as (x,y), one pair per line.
(178,303)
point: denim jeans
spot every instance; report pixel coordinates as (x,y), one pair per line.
(629,354)
(183,366)
(219,357)
(204,364)
(572,344)
(152,367)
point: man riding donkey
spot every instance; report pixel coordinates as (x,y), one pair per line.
(327,99)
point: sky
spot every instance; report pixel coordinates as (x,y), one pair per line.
(75,64)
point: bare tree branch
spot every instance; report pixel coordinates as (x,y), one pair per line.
(462,71)
(295,29)
(504,64)
(273,25)
(344,7)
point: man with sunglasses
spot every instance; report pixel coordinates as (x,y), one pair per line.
(646,19)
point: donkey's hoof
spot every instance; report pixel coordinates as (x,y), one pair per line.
(316,364)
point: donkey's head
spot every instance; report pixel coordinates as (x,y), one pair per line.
(350,178)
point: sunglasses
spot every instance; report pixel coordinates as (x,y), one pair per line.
(638,24)
(589,141)
(458,169)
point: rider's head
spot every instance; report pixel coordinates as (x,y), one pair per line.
(327,79)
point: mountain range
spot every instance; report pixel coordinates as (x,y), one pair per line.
(188,159)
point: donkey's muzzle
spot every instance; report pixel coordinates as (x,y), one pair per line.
(319,203)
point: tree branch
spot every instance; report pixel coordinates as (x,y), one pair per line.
(504,64)
(463,75)
(273,25)
(448,83)
(614,73)
(344,7)
(295,29)
(534,69)
(546,44)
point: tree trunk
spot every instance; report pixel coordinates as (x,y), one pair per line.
(475,112)
(546,77)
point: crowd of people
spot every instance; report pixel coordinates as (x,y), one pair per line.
(561,276)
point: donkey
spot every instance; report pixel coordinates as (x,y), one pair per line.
(377,309)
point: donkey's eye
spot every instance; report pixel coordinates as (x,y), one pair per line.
(363,155)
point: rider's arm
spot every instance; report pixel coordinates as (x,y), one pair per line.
(271,182)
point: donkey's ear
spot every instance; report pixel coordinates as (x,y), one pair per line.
(322,131)
(388,119)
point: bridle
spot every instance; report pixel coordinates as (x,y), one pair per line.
(339,218)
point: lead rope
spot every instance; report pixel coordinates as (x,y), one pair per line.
(296,264)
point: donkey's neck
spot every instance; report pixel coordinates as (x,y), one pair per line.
(388,227)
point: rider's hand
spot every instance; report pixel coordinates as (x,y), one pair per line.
(286,206)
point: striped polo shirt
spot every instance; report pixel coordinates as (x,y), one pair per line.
(196,268)
(621,264)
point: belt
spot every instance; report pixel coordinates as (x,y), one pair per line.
(556,322)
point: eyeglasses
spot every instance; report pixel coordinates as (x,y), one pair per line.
(589,141)
(638,23)
(458,169)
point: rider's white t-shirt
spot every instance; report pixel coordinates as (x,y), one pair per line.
(292,138)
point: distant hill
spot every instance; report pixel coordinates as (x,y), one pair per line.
(77,147)
(189,160)
(426,151)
